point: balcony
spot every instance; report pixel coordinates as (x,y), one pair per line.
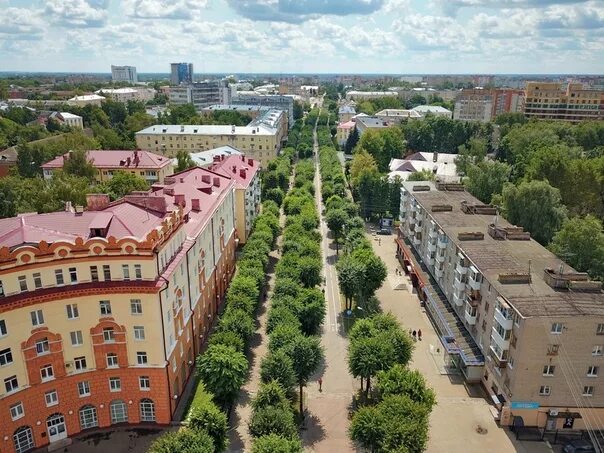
(429,260)
(443,242)
(458,298)
(461,269)
(418,226)
(431,246)
(503,317)
(439,272)
(499,340)
(440,257)
(499,356)
(433,233)
(411,220)
(417,240)
(472,301)
(414,207)
(459,285)
(470,318)
(475,279)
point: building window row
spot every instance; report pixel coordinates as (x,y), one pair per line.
(546,390)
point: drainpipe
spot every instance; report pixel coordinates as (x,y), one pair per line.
(163,332)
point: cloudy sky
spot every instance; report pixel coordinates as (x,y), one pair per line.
(355,36)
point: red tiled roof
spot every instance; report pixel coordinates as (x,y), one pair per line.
(232,167)
(117,159)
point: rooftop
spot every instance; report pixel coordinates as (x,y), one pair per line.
(120,159)
(67,115)
(398,113)
(371,122)
(430,108)
(175,129)
(88,97)
(204,158)
(239,108)
(347,125)
(238,167)
(347,109)
(498,258)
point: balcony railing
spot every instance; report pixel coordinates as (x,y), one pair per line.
(504,319)
(439,272)
(471,319)
(431,246)
(440,257)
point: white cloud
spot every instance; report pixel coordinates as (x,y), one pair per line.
(164,9)
(77,13)
(20,24)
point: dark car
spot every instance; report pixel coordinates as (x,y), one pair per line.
(579,446)
(384,231)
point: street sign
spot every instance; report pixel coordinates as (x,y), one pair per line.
(524,405)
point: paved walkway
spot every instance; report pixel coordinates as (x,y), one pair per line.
(461,409)
(327,411)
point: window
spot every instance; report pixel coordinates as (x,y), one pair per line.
(37,318)
(80,363)
(139,333)
(138,272)
(6,357)
(108,335)
(545,390)
(556,328)
(42,346)
(23,283)
(37,280)
(1,289)
(115,384)
(23,439)
(52,399)
(11,384)
(600,329)
(136,307)
(46,373)
(83,388)
(88,417)
(592,371)
(548,370)
(72,311)
(16,411)
(596,350)
(106,272)
(3,330)
(144,383)
(147,408)
(94,274)
(126,271)
(105,307)
(552,349)
(59,277)
(112,360)
(588,390)
(118,411)
(141,358)
(73,275)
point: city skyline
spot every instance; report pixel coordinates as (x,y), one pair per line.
(270,36)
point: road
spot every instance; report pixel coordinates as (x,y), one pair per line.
(327,419)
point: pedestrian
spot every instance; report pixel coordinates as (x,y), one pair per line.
(414,334)
(320,384)
(419,334)
(380,241)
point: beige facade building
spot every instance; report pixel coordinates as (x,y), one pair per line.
(261,139)
(510,314)
(87,99)
(127,94)
(554,101)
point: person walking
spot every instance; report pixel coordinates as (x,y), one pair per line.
(320,384)
(414,334)
(419,334)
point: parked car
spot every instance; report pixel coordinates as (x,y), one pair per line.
(385,231)
(578,446)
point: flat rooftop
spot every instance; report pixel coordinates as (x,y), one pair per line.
(495,257)
(175,129)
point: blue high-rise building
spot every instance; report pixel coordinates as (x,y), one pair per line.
(181,73)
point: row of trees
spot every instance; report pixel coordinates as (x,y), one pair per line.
(296,314)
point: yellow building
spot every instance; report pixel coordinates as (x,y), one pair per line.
(553,101)
(103,311)
(151,167)
(261,139)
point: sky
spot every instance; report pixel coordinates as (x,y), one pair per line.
(305,36)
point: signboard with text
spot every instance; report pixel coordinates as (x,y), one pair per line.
(524,405)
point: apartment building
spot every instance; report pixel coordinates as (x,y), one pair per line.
(86,99)
(181,73)
(365,123)
(127,94)
(510,314)
(344,130)
(103,311)
(261,139)
(151,167)
(554,101)
(201,94)
(507,101)
(397,116)
(124,74)
(275,102)
(346,113)
(474,105)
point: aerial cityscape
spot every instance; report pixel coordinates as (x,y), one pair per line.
(322,226)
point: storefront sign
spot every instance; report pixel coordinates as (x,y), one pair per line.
(524,405)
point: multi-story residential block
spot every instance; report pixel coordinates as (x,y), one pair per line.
(127,94)
(554,101)
(151,167)
(261,139)
(86,99)
(345,113)
(474,105)
(124,74)
(201,94)
(510,314)
(397,116)
(181,73)
(276,102)
(507,101)
(63,118)
(435,110)
(102,311)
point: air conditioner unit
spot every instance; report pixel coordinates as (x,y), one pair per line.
(553,412)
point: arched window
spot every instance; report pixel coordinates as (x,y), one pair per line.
(88,417)
(147,408)
(23,439)
(119,412)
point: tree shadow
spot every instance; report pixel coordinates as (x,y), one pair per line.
(311,431)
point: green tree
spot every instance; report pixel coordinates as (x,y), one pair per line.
(273,420)
(298,110)
(76,163)
(277,366)
(274,443)
(400,380)
(309,271)
(238,321)
(487,179)
(368,428)
(227,338)
(184,440)
(422,175)
(208,418)
(536,206)
(580,242)
(351,141)
(311,311)
(471,154)
(367,356)
(350,278)
(138,121)
(374,272)
(8,205)
(336,219)
(270,394)
(223,371)
(306,354)
(121,184)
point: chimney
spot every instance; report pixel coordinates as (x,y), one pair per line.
(242,173)
(97,201)
(435,157)
(234,169)
(216,181)
(232,129)
(250,162)
(222,157)
(179,199)
(128,160)
(195,205)
(217,158)
(169,190)
(207,189)
(243,157)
